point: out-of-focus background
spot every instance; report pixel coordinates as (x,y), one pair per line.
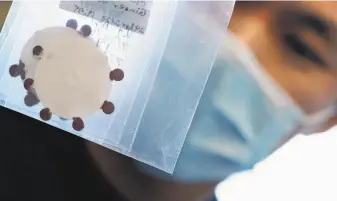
(303,169)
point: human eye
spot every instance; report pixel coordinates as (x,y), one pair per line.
(294,29)
(301,48)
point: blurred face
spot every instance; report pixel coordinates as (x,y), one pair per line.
(296,43)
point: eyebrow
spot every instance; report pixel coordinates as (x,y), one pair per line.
(315,22)
(322,25)
(325,28)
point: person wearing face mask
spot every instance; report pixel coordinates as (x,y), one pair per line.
(273,78)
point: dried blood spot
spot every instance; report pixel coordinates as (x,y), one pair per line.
(72,24)
(85,30)
(28,83)
(14,70)
(31,99)
(37,50)
(108,107)
(117,74)
(21,65)
(45,114)
(78,124)
(23,75)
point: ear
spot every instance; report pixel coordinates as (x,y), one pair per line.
(329,124)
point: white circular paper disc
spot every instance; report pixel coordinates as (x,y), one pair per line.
(47,38)
(73,79)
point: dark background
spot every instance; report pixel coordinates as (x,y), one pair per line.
(40,162)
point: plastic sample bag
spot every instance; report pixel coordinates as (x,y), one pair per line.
(127,75)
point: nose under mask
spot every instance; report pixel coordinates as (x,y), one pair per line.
(262,111)
(240,119)
(237,51)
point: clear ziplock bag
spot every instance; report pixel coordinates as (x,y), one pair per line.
(165,59)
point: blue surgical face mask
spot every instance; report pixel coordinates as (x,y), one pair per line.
(241,117)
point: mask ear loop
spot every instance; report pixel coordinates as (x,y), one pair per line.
(311,124)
